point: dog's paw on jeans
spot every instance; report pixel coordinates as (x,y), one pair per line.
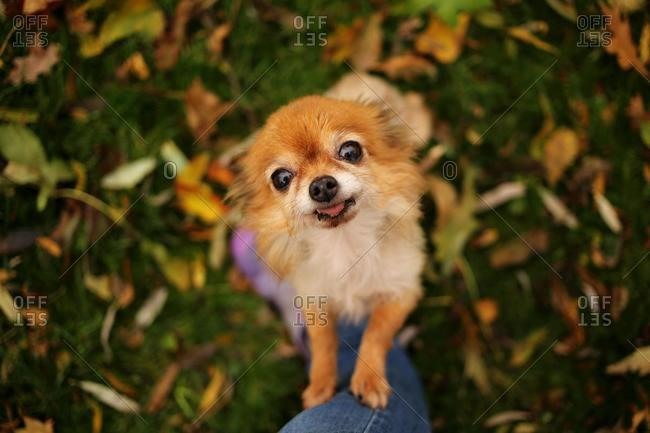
(370,386)
(318,392)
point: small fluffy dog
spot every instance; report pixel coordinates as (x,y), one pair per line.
(331,191)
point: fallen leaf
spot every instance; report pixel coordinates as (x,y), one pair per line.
(119,384)
(105,332)
(128,175)
(49,245)
(98,418)
(487,310)
(141,17)
(218,245)
(644,43)
(450,238)
(359,42)
(638,362)
(217,38)
(134,65)
(445,197)
(39,61)
(607,213)
(486,238)
(99,285)
(517,250)
(523,350)
(31,6)
(560,150)
(567,306)
(151,308)
(110,397)
(524,33)
(407,66)
(500,194)
(507,417)
(163,387)
(441,41)
(203,109)
(33,425)
(621,44)
(212,397)
(557,209)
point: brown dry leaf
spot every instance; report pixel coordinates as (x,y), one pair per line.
(486,238)
(217,38)
(638,362)
(622,45)
(78,21)
(475,368)
(33,425)
(38,61)
(98,417)
(163,387)
(560,151)
(567,306)
(525,33)
(31,6)
(168,45)
(118,383)
(134,65)
(360,43)
(487,310)
(517,251)
(49,245)
(441,41)
(407,66)
(203,109)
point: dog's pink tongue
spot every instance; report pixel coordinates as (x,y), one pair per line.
(332,211)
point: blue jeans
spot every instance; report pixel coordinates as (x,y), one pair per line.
(406,411)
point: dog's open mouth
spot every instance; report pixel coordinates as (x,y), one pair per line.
(335,211)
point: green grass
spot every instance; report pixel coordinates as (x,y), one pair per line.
(563,393)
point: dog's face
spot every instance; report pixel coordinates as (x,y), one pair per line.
(318,161)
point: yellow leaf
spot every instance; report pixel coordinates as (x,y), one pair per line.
(560,150)
(212,394)
(523,350)
(525,35)
(441,41)
(637,362)
(200,202)
(100,285)
(134,65)
(133,17)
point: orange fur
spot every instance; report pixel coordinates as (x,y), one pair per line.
(304,137)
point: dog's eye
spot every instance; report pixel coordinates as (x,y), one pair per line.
(281,178)
(350,151)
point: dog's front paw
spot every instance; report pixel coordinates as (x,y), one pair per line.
(370,387)
(318,392)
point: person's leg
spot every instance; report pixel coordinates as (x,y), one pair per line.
(406,411)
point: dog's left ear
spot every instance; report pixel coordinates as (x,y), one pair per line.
(396,132)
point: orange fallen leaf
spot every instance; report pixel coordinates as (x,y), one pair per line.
(359,42)
(134,65)
(203,109)
(441,41)
(621,44)
(32,425)
(217,38)
(487,310)
(407,66)
(49,245)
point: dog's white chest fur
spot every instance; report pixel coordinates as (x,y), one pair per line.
(357,264)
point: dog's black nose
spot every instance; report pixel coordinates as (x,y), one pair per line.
(323,188)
